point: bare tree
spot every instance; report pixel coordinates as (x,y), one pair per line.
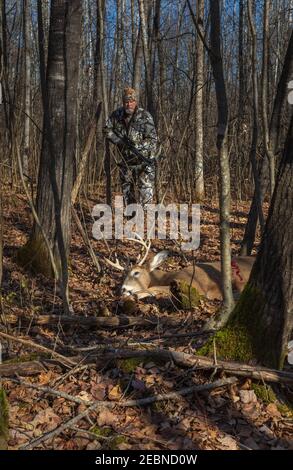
(275,135)
(138,58)
(57,157)
(262,320)
(147,59)
(199,78)
(225,196)
(264,95)
(1,160)
(99,90)
(27,107)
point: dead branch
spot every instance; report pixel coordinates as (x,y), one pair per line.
(52,391)
(21,368)
(129,403)
(122,321)
(38,347)
(201,362)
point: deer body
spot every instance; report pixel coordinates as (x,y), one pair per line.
(205,277)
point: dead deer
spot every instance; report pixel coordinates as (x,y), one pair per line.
(145,279)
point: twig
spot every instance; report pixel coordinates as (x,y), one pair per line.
(130,403)
(33,345)
(51,391)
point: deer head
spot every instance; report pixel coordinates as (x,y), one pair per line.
(138,279)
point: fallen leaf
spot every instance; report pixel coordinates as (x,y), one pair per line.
(247,396)
(85,396)
(106,418)
(272,410)
(46,419)
(229,443)
(115,393)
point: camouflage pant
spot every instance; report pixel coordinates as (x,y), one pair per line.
(137,184)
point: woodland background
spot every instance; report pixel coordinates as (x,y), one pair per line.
(78,370)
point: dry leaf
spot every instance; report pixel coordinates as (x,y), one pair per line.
(85,396)
(247,396)
(46,419)
(272,410)
(98,391)
(106,418)
(229,443)
(115,393)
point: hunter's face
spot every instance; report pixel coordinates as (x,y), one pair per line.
(129,106)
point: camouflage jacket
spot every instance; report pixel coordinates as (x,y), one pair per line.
(140,131)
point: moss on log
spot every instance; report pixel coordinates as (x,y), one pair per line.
(242,339)
(185,295)
(4,414)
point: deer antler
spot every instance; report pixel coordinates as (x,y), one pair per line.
(115,265)
(137,239)
(146,245)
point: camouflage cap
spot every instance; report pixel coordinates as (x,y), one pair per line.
(129,94)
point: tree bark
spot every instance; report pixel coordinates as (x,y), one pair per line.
(264,95)
(274,130)
(263,318)
(147,61)
(256,207)
(99,93)
(57,156)
(1,163)
(199,77)
(137,64)
(225,196)
(27,107)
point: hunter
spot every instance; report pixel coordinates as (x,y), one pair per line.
(133,131)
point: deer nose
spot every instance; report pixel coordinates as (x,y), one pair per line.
(125,291)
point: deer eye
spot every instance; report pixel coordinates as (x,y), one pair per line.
(136,273)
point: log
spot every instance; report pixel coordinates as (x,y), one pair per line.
(21,368)
(202,362)
(121,321)
(185,295)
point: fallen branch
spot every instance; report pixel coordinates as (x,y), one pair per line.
(38,347)
(129,403)
(52,391)
(21,368)
(120,321)
(202,362)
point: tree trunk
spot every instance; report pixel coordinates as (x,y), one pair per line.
(27,107)
(225,196)
(281,97)
(275,128)
(261,324)
(199,180)
(1,167)
(58,147)
(147,62)
(264,95)
(99,80)
(256,207)
(137,64)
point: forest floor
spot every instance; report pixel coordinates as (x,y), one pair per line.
(229,417)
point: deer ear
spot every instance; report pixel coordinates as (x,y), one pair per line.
(158,259)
